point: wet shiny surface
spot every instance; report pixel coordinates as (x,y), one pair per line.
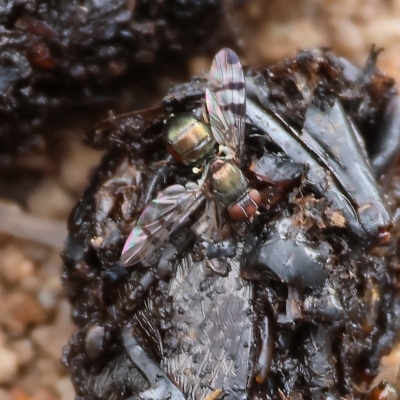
(318,319)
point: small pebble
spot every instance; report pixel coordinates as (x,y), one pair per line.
(395,7)
(348,39)
(44,394)
(287,37)
(4,395)
(50,200)
(3,336)
(47,372)
(14,265)
(52,338)
(383,31)
(50,293)
(20,311)
(8,365)
(65,389)
(340,8)
(18,394)
(24,350)
(78,163)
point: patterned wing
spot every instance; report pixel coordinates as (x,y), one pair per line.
(159,219)
(226,100)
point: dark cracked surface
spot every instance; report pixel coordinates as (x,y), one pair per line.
(325,338)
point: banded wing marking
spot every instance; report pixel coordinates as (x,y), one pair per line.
(226,100)
(161,217)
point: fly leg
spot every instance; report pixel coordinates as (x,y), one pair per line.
(161,387)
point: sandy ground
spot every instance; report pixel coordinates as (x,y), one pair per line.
(34,315)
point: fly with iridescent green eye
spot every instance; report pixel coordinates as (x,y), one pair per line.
(214,148)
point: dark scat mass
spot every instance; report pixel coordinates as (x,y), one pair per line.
(327,337)
(64,59)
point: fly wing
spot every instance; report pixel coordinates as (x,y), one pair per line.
(160,218)
(226,100)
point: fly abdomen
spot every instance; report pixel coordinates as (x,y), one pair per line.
(246,207)
(227,181)
(231,187)
(188,140)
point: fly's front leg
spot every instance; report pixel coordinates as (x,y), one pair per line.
(161,387)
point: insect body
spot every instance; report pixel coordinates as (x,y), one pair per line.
(215,149)
(189,140)
(230,186)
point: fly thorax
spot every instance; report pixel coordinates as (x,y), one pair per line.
(188,140)
(228,182)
